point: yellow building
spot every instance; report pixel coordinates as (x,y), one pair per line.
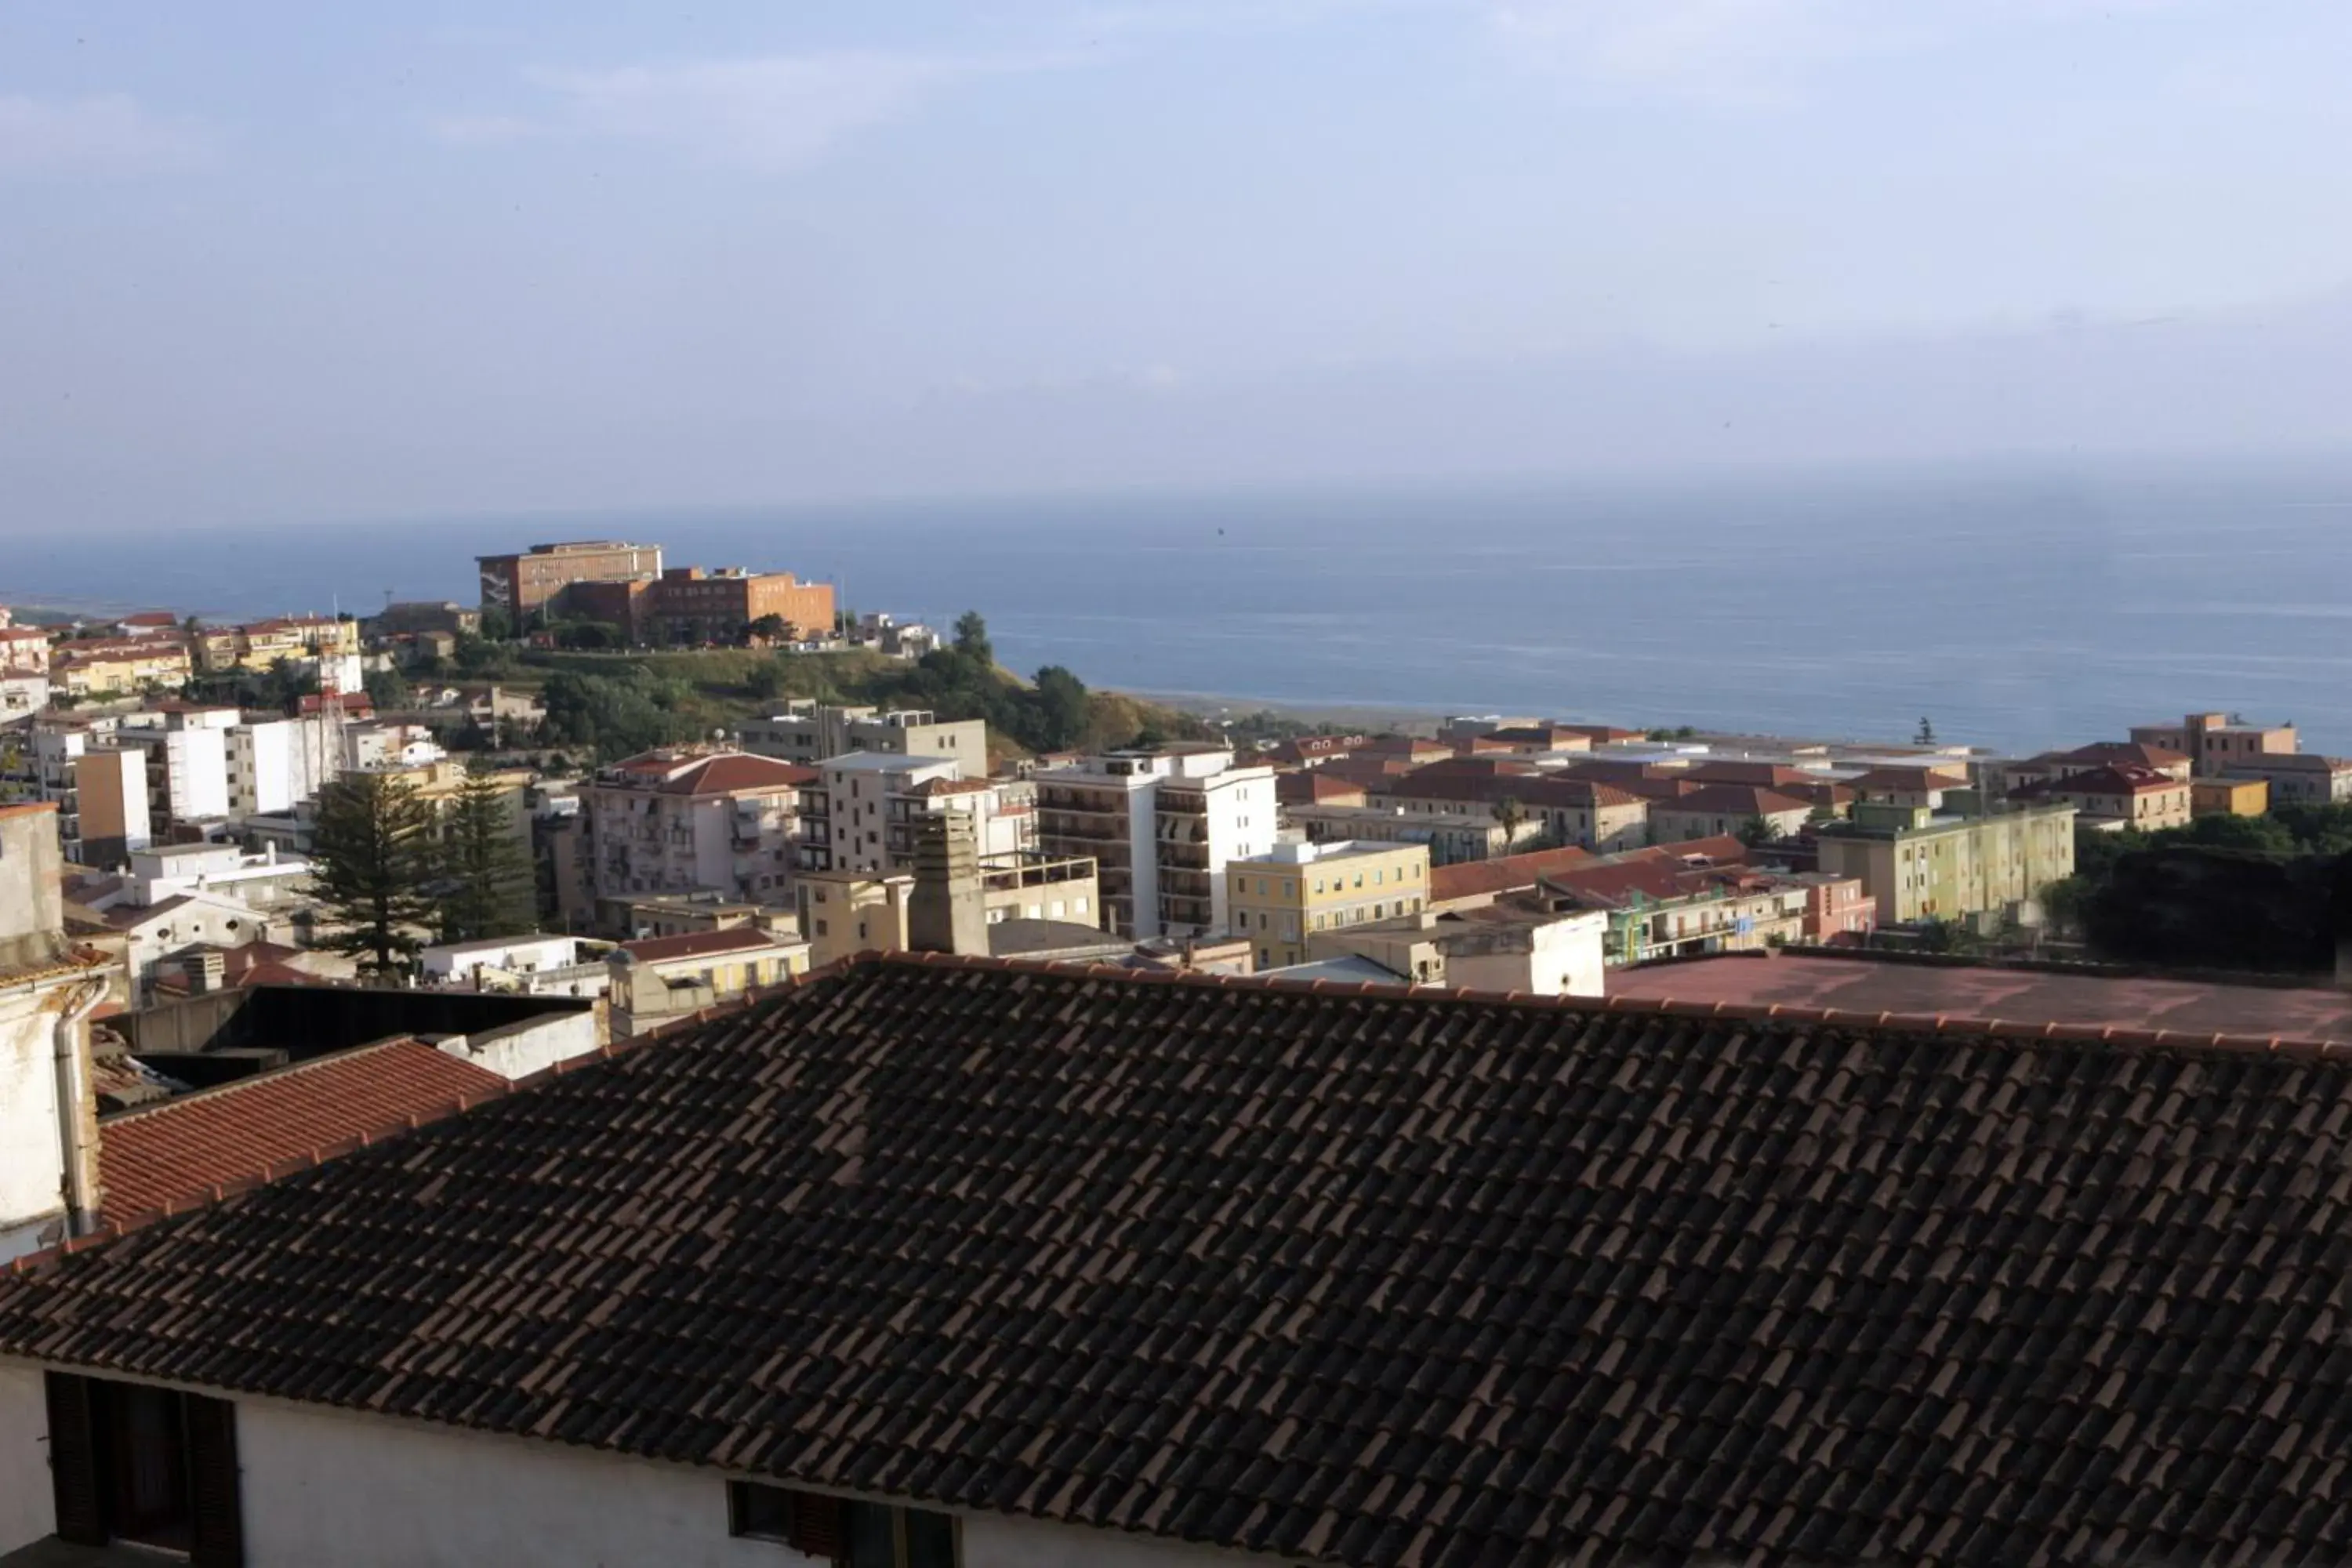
(665,978)
(1279,900)
(259,646)
(118,667)
(1917,864)
(2230,797)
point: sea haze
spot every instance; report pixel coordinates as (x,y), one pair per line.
(2018,607)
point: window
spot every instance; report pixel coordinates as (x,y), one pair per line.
(850,1535)
(150,1465)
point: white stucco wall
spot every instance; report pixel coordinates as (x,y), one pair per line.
(26,1510)
(519,1053)
(1000,1540)
(322,1487)
(31,1169)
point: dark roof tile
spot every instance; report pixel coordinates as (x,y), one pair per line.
(1375,1279)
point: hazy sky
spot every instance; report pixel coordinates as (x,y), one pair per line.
(264,261)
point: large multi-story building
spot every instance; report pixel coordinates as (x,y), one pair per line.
(686,820)
(2214,741)
(1281,899)
(862,812)
(187,759)
(847,912)
(1162,823)
(274,765)
(691,604)
(1919,864)
(808,732)
(533,580)
(2297,778)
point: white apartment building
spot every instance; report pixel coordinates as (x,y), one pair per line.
(688,821)
(1162,822)
(48,1162)
(274,763)
(268,880)
(187,766)
(861,813)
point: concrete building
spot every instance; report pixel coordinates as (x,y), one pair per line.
(265,881)
(1161,824)
(863,813)
(22,694)
(533,965)
(1525,803)
(1920,865)
(2230,797)
(48,1136)
(522,585)
(108,801)
(326,646)
(846,912)
(2300,778)
(1520,943)
(1280,900)
(153,939)
(810,732)
(1450,840)
(2117,798)
(1718,808)
(274,763)
(24,651)
(691,604)
(687,821)
(1668,902)
(665,978)
(2214,743)
(187,747)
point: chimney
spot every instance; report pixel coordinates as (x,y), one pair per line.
(945,912)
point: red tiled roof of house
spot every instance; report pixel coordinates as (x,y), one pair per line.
(1504,874)
(1734,800)
(701,943)
(176,1154)
(1771,775)
(1922,777)
(740,771)
(1317,787)
(1300,749)
(1349,1274)
(2131,753)
(2126,780)
(148,618)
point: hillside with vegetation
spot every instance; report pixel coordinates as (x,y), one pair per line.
(616,703)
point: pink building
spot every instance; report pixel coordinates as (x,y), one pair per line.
(1838,910)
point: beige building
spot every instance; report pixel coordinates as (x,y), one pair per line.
(1717,809)
(810,732)
(690,820)
(1518,943)
(259,646)
(2116,799)
(1920,865)
(523,583)
(2230,797)
(665,978)
(1280,901)
(863,810)
(847,912)
(2213,743)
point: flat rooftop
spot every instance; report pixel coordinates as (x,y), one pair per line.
(2009,995)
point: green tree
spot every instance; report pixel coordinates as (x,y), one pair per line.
(2063,903)
(484,873)
(387,689)
(1758,831)
(971,639)
(1062,703)
(370,849)
(1511,814)
(497,626)
(772,628)
(766,681)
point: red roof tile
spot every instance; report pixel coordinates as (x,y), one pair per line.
(172,1154)
(701,943)
(1504,874)
(1734,800)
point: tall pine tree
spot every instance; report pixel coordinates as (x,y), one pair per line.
(371,853)
(484,866)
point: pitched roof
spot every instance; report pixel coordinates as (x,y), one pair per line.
(1312,786)
(1354,1277)
(2099,753)
(1475,878)
(172,1154)
(703,943)
(1733,800)
(2121,779)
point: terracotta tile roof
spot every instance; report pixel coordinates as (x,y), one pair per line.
(2122,780)
(1504,874)
(1733,800)
(1346,1275)
(2101,753)
(724,775)
(701,943)
(170,1155)
(1313,786)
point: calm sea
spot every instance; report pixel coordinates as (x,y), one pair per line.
(2016,606)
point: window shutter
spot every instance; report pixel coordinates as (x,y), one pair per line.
(816,1525)
(216,1523)
(73,1461)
